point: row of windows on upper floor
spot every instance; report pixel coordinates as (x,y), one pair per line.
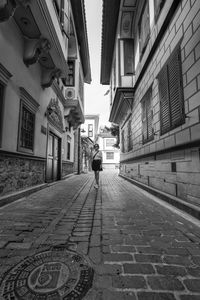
(171,101)
(132,51)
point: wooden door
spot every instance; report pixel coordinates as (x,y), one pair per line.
(53,158)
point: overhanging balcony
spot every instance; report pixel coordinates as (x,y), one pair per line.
(122,104)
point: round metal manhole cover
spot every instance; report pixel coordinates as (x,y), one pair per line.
(50,275)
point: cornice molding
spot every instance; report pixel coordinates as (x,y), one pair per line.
(28,99)
(4,74)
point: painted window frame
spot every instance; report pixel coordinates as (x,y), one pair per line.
(70,80)
(110,153)
(31,106)
(90,130)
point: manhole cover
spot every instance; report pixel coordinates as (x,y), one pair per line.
(53,275)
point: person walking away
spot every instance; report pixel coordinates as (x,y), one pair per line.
(97,164)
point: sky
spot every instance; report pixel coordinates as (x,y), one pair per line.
(95,101)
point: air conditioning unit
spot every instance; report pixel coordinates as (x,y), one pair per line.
(69,93)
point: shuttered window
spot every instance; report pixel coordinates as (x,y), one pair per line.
(144,28)
(122,142)
(147,118)
(130,142)
(171,94)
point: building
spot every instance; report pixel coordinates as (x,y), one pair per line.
(44,63)
(150,58)
(90,128)
(89,134)
(110,153)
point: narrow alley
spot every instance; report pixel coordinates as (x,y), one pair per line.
(71,241)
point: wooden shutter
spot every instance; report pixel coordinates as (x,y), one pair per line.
(144,122)
(128,57)
(175,90)
(164,100)
(147,117)
(149,114)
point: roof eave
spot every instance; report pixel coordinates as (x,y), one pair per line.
(109,27)
(78,8)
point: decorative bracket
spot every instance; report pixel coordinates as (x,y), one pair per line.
(34,48)
(7,9)
(48,76)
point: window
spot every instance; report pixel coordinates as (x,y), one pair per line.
(109,155)
(59,7)
(90,130)
(130,143)
(1,108)
(158,5)
(122,141)
(144,27)
(147,118)
(27,129)
(71,74)
(129,57)
(28,110)
(110,142)
(171,93)
(68,148)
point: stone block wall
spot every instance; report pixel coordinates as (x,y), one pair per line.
(67,168)
(17,173)
(174,172)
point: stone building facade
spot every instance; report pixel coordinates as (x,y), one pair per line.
(150,59)
(44,63)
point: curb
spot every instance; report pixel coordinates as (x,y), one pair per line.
(189,208)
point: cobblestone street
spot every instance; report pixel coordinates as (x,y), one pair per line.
(138,249)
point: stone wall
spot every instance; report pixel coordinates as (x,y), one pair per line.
(67,168)
(18,172)
(176,173)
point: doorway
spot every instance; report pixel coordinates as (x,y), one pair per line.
(53,158)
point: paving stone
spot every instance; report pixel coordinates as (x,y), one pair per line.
(155,296)
(171,270)
(118,257)
(138,268)
(113,295)
(123,248)
(95,255)
(19,245)
(111,269)
(193,285)
(177,260)
(127,282)
(151,258)
(165,283)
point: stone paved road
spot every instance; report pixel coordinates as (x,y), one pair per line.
(139,250)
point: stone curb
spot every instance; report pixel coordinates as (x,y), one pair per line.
(177,202)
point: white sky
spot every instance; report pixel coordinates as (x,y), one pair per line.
(95,101)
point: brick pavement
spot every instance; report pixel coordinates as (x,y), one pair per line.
(139,250)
